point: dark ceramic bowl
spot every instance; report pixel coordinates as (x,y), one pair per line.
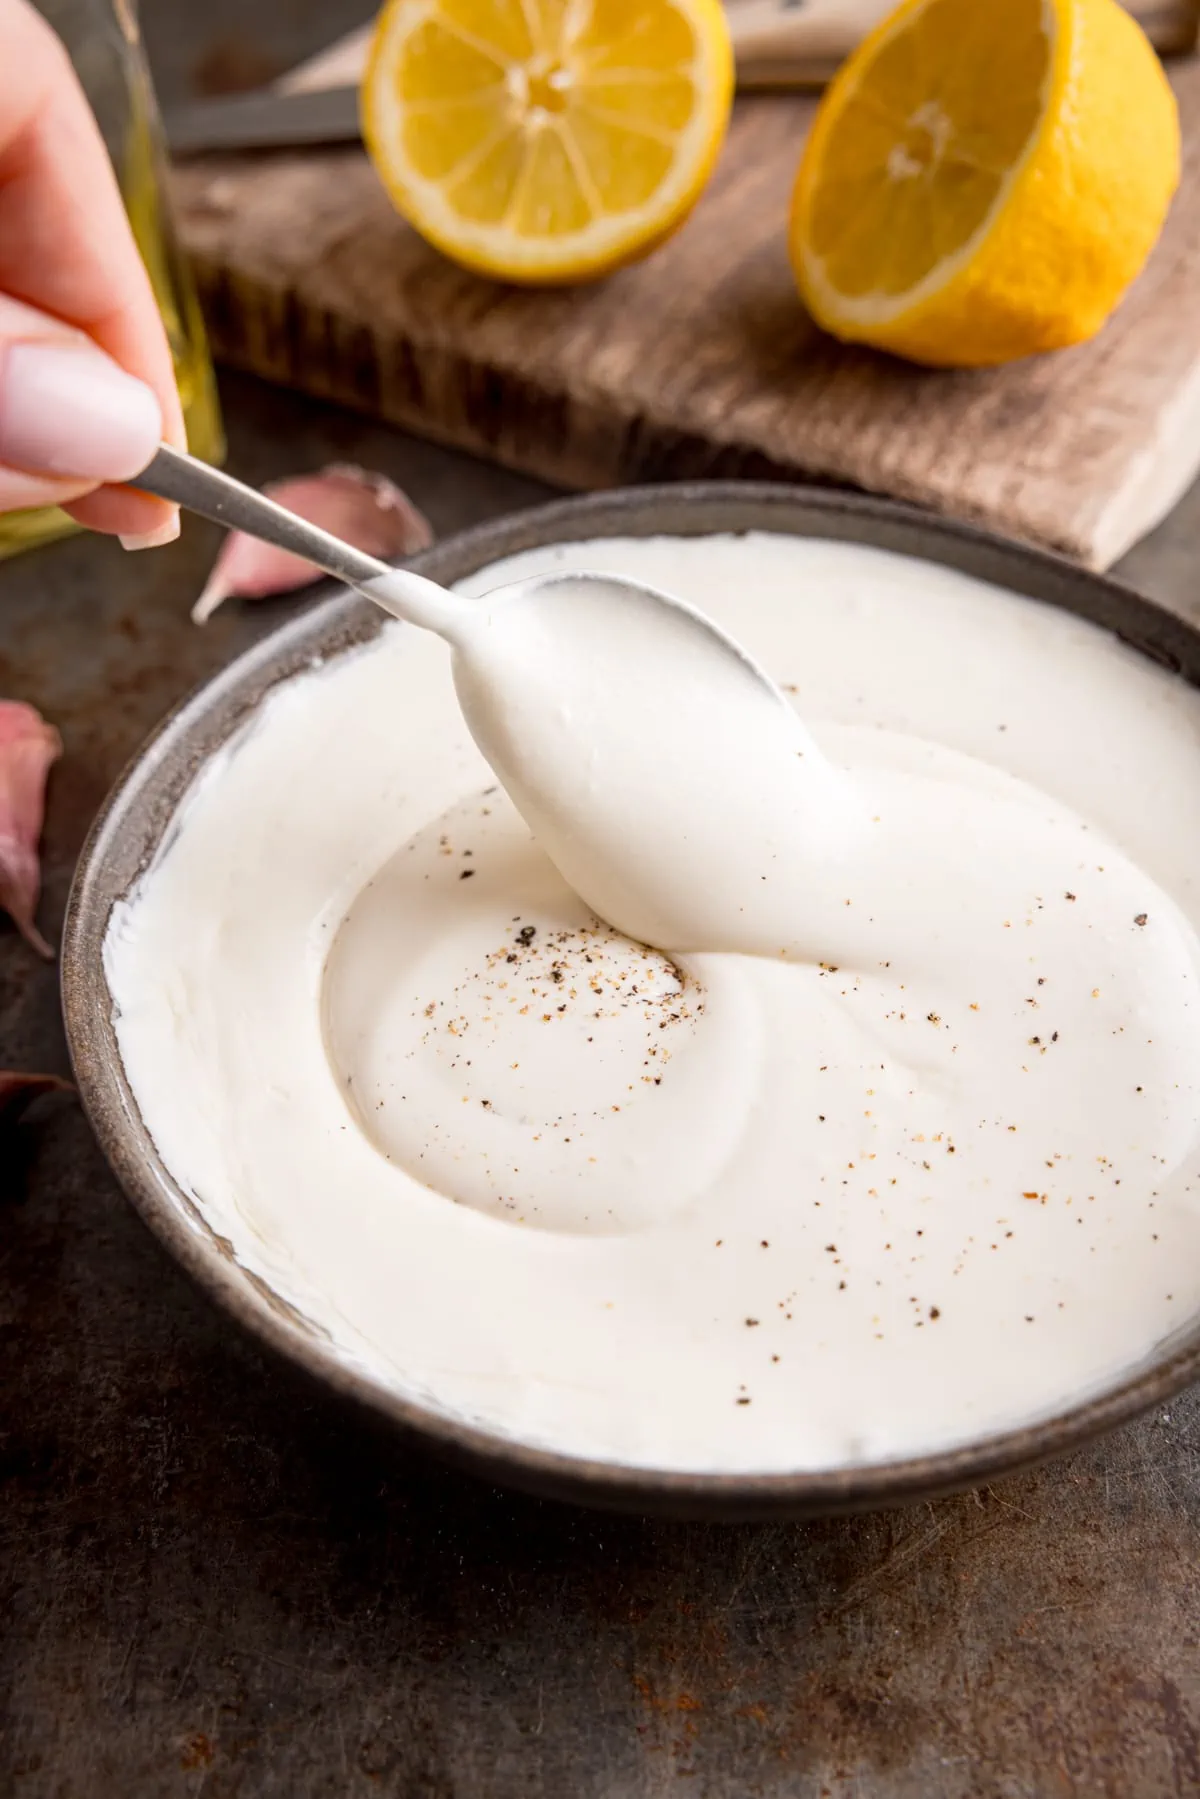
(138,813)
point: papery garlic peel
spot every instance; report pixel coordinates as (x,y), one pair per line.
(19,1090)
(362,508)
(28,748)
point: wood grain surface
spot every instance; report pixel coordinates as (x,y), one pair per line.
(701,360)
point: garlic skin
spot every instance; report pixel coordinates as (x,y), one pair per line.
(28,749)
(18,1090)
(362,508)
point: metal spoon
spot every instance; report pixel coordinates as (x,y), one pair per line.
(176,476)
(646,750)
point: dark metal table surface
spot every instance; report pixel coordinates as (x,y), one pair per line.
(217,1579)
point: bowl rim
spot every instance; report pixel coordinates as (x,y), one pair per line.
(137,814)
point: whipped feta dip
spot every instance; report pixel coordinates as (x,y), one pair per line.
(841,1103)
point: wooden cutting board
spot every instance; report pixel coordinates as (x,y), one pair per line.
(700,360)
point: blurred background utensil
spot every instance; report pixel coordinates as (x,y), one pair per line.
(777,44)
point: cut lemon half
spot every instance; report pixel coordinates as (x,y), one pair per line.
(984,180)
(546,140)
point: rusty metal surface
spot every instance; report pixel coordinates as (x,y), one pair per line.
(217,1579)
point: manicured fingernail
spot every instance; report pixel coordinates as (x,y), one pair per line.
(71,411)
(150,540)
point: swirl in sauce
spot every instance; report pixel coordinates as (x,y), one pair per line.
(890,1139)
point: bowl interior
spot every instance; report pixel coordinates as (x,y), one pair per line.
(136,821)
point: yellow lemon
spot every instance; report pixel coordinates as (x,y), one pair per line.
(985,178)
(546,140)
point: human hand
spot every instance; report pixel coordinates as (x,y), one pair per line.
(87,386)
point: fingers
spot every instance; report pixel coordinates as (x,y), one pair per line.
(138,519)
(67,251)
(70,417)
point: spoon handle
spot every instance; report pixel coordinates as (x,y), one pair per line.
(174,475)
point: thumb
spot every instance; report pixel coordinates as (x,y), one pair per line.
(71,419)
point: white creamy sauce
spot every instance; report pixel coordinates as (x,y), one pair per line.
(890,1141)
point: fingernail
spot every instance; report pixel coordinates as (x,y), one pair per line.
(71,411)
(150,540)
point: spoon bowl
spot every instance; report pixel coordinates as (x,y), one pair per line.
(212,494)
(635,819)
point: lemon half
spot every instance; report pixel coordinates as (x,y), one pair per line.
(546,140)
(985,178)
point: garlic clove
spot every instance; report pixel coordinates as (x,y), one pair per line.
(28,748)
(363,508)
(18,1090)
